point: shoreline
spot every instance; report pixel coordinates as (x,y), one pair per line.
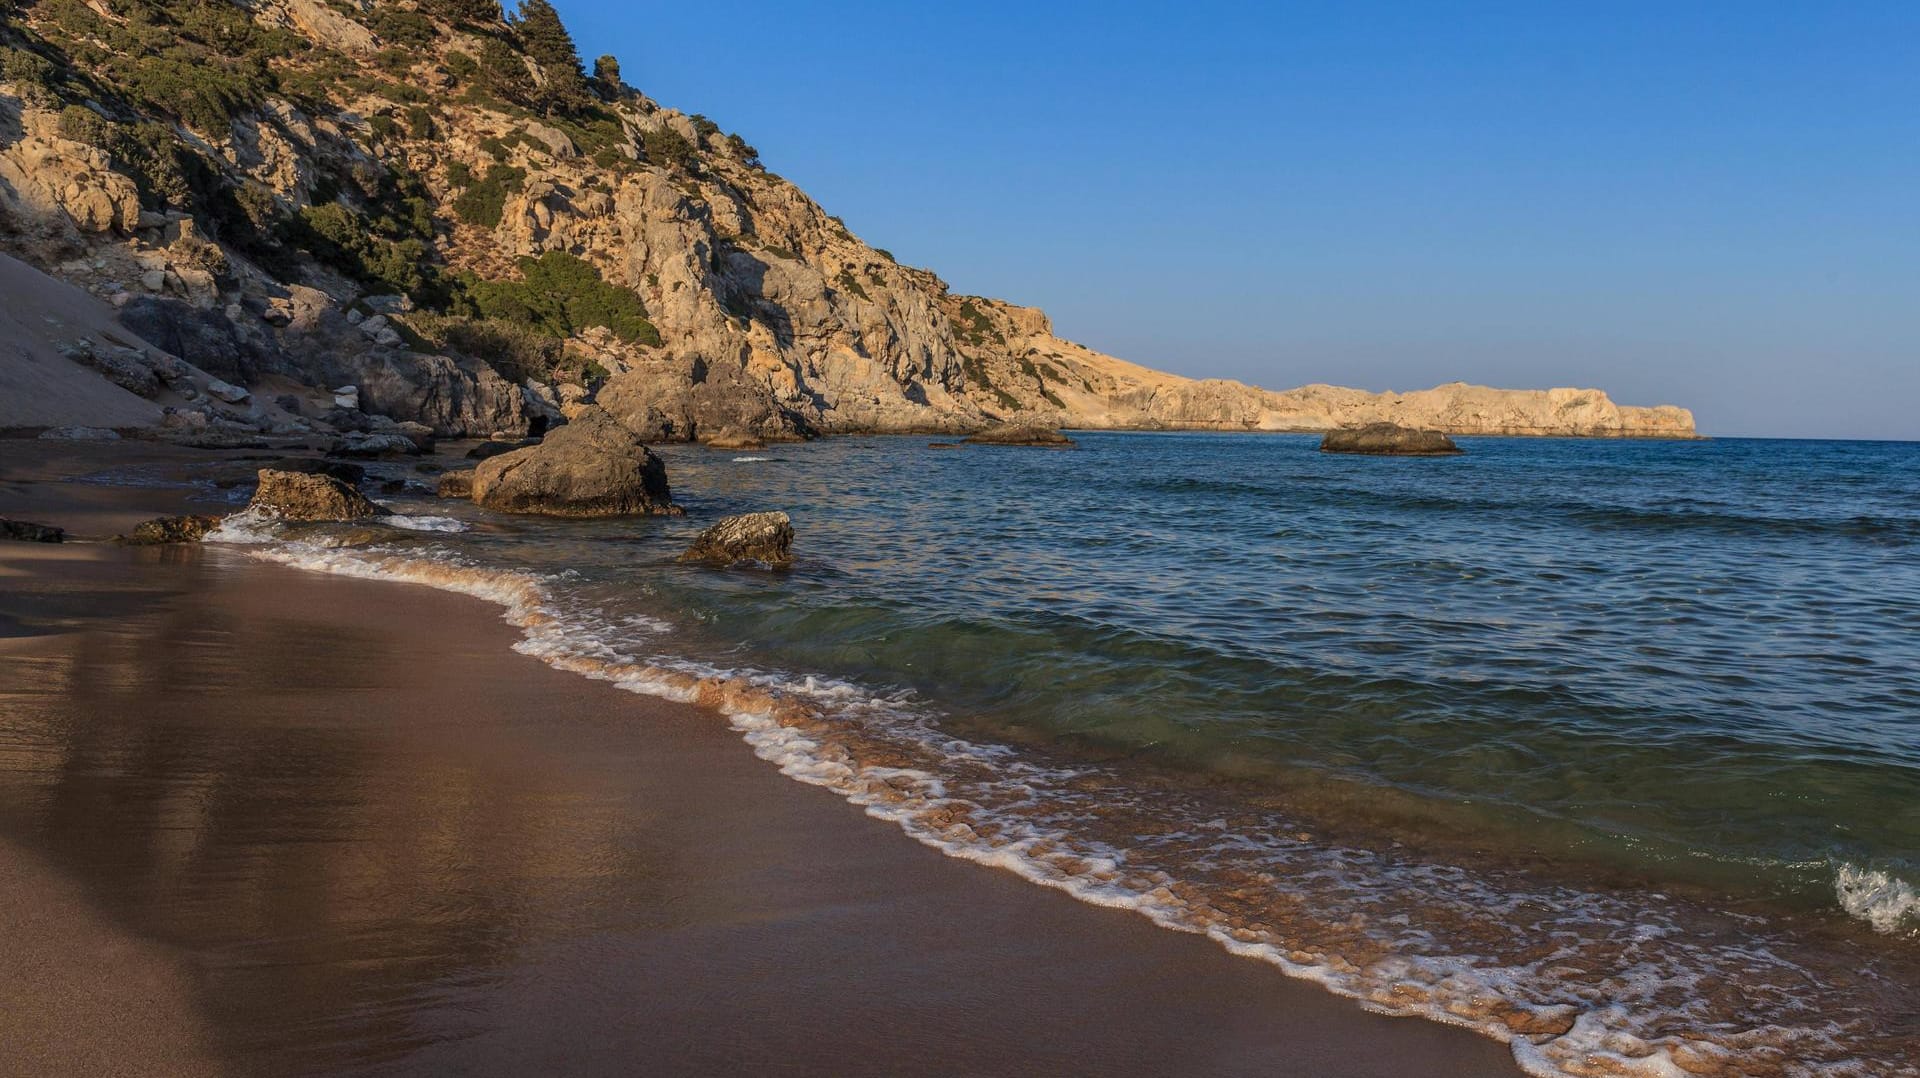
(867,906)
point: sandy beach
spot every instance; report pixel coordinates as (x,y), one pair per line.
(316,825)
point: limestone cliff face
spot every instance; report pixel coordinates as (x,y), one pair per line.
(771,317)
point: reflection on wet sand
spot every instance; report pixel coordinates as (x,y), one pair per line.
(383,843)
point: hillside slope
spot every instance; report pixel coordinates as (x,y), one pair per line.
(440,206)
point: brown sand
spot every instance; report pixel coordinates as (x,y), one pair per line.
(341,827)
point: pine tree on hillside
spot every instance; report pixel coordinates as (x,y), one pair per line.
(606,78)
(546,40)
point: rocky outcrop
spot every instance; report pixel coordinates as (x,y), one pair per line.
(1031,436)
(760,538)
(1388,440)
(20,531)
(592,467)
(164,530)
(302,496)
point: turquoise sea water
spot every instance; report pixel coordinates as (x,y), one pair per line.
(1612,748)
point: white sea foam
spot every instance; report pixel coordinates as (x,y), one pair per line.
(750,460)
(1886,902)
(1601,985)
(425,523)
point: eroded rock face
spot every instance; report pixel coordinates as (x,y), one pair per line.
(763,538)
(190,528)
(1035,436)
(1389,440)
(309,497)
(592,467)
(20,531)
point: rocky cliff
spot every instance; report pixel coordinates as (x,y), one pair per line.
(436,206)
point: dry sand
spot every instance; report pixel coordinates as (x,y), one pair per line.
(317,825)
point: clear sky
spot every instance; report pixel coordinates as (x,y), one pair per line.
(1708,204)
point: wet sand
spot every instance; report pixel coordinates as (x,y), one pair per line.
(335,826)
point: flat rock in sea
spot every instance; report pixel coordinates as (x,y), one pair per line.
(22,532)
(1388,440)
(302,496)
(1035,436)
(495,447)
(189,528)
(592,467)
(350,474)
(766,538)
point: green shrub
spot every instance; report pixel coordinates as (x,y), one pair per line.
(32,73)
(400,26)
(458,174)
(561,295)
(419,122)
(461,66)
(383,127)
(484,200)
(668,148)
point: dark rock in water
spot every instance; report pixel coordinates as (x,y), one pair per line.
(945,445)
(301,496)
(766,538)
(350,474)
(22,532)
(288,403)
(592,467)
(1038,436)
(182,529)
(371,446)
(1388,440)
(494,449)
(456,485)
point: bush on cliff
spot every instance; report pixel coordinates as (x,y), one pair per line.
(484,199)
(560,295)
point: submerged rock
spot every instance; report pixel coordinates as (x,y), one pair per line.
(22,532)
(734,439)
(753,537)
(190,528)
(456,484)
(1388,440)
(592,467)
(302,496)
(1038,436)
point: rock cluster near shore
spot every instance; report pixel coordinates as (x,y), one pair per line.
(20,531)
(1019,435)
(303,496)
(188,528)
(762,538)
(1389,440)
(592,467)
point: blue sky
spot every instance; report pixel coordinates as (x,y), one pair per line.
(1709,204)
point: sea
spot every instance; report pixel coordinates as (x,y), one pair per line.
(1609,749)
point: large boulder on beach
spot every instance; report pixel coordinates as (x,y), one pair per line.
(20,531)
(190,528)
(1388,440)
(766,538)
(310,497)
(1035,436)
(592,467)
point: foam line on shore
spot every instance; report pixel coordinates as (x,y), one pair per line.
(987,804)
